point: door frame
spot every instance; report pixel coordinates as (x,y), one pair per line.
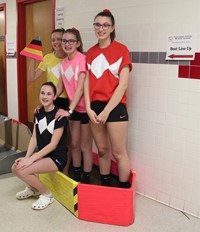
(21,60)
(3,8)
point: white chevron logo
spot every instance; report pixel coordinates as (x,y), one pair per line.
(100,64)
(55,70)
(69,73)
(42,125)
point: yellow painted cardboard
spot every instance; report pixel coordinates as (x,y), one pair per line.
(63,188)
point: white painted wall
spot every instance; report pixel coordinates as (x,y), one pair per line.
(164,131)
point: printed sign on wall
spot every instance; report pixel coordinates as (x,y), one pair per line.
(181,47)
(59,17)
(11,49)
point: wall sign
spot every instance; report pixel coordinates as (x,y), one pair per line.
(59,17)
(180,47)
(11,49)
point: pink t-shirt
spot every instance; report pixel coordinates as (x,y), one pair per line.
(70,71)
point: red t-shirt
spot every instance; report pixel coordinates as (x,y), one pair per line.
(104,66)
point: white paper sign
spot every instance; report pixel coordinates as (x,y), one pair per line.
(11,49)
(59,17)
(181,47)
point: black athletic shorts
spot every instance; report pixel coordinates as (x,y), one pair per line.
(59,160)
(77,116)
(118,114)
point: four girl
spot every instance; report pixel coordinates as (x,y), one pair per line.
(97,108)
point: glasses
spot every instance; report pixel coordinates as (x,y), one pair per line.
(70,41)
(104,26)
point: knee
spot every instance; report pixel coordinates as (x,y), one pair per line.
(86,148)
(15,170)
(74,145)
(119,155)
(103,151)
(18,172)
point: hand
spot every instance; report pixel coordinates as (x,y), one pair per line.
(37,109)
(61,113)
(24,162)
(18,160)
(93,117)
(102,117)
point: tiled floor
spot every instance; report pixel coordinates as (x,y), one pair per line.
(17,216)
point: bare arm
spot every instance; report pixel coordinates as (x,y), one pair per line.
(32,144)
(92,115)
(60,87)
(79,91)
(86,91)
(33,73)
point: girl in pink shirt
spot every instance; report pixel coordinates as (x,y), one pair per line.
(73,71)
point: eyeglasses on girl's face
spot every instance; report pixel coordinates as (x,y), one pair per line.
(70,41)
(104,26)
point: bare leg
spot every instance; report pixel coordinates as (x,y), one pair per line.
(86,147)
(28,175)
(69,154)
(118,138)
(69,159)
(75,143)
(75,128)
(102,142)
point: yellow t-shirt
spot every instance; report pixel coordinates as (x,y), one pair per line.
(51,65)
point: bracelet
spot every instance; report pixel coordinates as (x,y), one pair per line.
(70,111)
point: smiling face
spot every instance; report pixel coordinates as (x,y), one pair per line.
(47,96)
(103,27)
(56,41)
(70,44)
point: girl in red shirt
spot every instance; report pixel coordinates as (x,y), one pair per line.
(106,83)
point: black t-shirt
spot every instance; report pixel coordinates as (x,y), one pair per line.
(45,124)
